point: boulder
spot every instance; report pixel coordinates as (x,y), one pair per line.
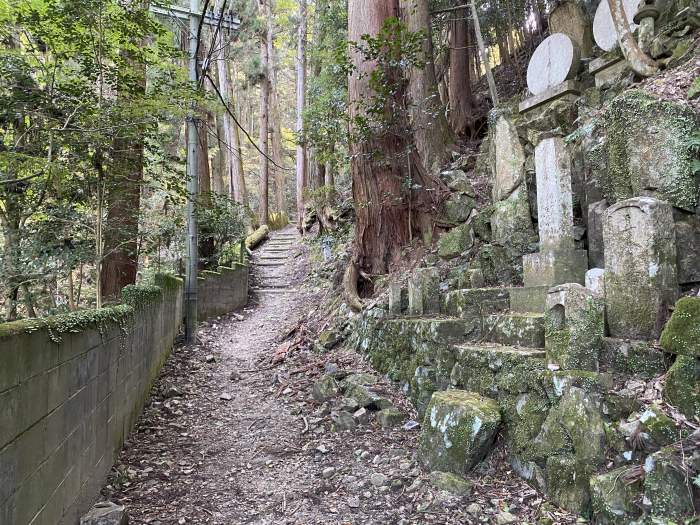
(455,242)
(457,208)
(106,513)
(458,431)
(614,501)
(681,334)
(666,488)
(682,385)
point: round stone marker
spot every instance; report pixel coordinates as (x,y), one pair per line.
(603,27)
(555,60)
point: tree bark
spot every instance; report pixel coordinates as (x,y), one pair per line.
(638,60)
(301,175)
(276,133)
(433,136)
(264,113)
(119,265)
(237,154)
(460,89)
(382,166)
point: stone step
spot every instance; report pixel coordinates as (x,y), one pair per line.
(514,328)
(476,302)
(443,331)
(274,290)
(269,264)
(271,258)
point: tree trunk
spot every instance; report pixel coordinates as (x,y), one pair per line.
(123,197)
(233,174)
(432,134)
(381,165)
(264,113)
(460,88)
(238,172)
(638,60)
(301,175)
(276,134)
(484,56)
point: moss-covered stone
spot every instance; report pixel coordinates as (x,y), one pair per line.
(457,208)
(390,417)
(574,327)
(567,482)
(476,302)
(458,430)
(481,223)
(498,265)
(681,334)
(325,388)
(456,242)
(639,358)
(649,146)
(614,500)
(666,486)
(682,385)
(450,482)
(660,428)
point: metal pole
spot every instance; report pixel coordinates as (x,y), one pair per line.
(192,189)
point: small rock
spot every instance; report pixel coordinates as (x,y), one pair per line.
(450,483)
(505,518)
(474,509)
(415,486)
(226,396)
(331,369)
(328,472)
(411,425)
(353,502)
(378,479)
(235,375)
(361,416)
(325,389)
(105,513)
(390,418)
(360,379)
(172,391)
(210,359)
(343,420)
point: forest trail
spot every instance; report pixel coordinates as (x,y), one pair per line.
(228,437)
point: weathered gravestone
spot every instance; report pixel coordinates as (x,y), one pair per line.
(569,18)
(640,262)
(555,60)
(603,27)
(558,261)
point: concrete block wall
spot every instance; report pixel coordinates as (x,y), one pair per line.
(222,292)
(71,388)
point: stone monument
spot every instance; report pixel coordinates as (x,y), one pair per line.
(641,281)
(558,262)
(553,66)
(606,69)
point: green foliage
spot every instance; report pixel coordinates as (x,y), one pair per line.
(221,221)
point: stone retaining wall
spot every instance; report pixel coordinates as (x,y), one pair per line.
(71,387)
(222,291)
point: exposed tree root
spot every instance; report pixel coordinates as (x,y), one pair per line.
(350,287)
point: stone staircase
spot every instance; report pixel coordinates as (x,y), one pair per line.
(270,264)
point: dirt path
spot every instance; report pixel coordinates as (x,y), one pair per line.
(227,438)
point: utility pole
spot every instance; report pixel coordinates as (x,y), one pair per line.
(192,188)
(221,21)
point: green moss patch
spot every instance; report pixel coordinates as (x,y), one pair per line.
(681,334)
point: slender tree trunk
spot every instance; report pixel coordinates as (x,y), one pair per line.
(432,134)
(265,114)
(238,173)
(301,175)
(276,137)
(380,165)
(484,56)
(460,88)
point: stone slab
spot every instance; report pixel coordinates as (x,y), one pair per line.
(569,18)
(551,269)
(555,209)
(555,60)
(477,301)
(510,159)
(641,282)
(603,27)
(596,249)
(528,299)
(569,89)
